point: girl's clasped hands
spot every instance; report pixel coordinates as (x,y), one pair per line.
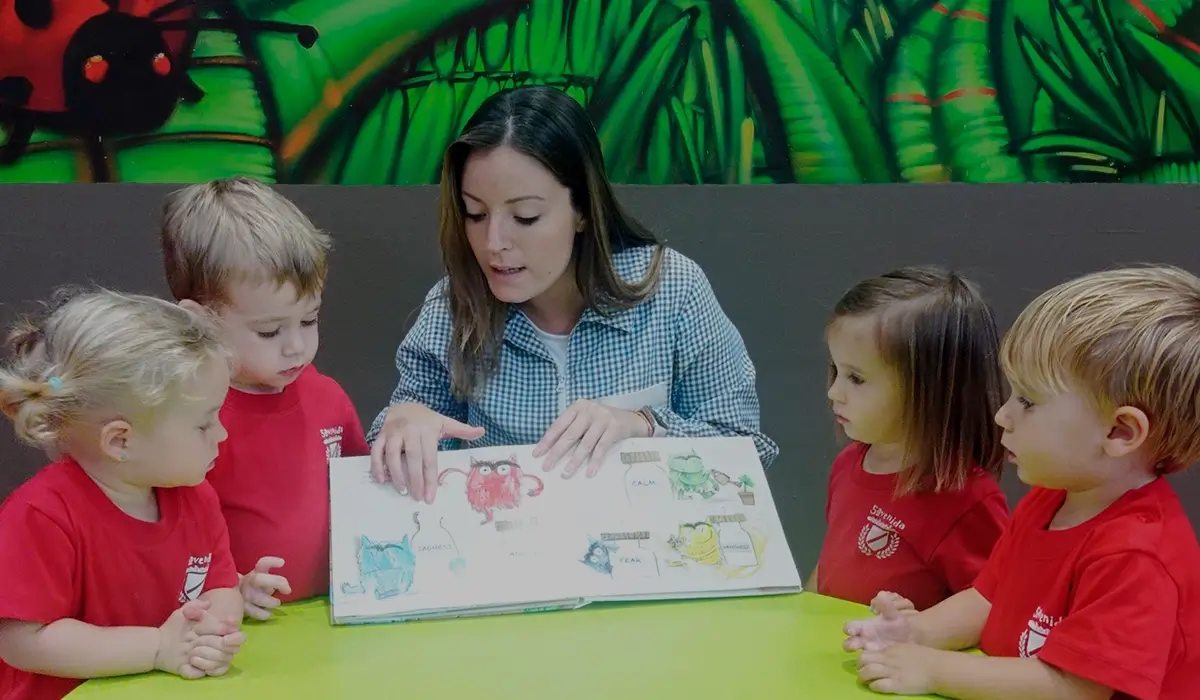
(193,643)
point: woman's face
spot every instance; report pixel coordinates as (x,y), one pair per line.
(521,226)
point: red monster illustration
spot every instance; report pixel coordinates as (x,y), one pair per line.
(494,484)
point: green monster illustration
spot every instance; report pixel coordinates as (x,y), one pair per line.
(689,477)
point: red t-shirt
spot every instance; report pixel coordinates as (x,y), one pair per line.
(272,475)
(67,551)
(1115,600)
(924,546)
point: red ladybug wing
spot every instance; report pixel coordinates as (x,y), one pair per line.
(36,54)
(176,39)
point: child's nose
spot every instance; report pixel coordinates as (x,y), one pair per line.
(293,344)
(1002,417)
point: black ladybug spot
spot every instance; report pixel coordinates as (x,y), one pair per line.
(307,36)
(35,14)
(15,90)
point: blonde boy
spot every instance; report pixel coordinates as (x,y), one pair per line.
(244,251)
(1094,589)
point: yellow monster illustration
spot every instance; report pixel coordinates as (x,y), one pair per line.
(698,542)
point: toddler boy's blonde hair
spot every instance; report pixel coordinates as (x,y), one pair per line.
(1125,337)
(238,230)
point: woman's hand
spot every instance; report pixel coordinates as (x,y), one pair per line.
(405,451)
(590,429)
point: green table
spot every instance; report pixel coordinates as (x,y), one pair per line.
(761,648)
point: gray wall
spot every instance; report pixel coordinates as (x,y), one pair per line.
(778,257)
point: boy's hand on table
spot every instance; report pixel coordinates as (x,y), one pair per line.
(890,626)
(900,668)
(259,586)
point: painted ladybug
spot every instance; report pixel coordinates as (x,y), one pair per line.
(98,68)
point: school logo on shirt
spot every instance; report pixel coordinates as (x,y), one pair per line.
(1034,637)
(332,437)
(880,537)
(193,581)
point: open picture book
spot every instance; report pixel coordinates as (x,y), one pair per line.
(663,518)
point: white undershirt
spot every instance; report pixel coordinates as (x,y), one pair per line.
(557,346)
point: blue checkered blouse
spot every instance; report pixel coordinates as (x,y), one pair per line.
(677,345)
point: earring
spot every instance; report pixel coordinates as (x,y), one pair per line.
(123,457)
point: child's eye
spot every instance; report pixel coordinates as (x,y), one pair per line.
(1025,403)
(311,322)
(855,379)
(268,334)
(474,217)
(527,221)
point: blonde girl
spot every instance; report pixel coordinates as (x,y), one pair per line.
(116,557)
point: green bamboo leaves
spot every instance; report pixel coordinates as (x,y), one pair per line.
(360,39)
(828,132)
(619,110)
(946,122)
(1124,114)
(686,91)
(50,157)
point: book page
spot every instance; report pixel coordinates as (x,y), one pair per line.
(664,517)
(673,517)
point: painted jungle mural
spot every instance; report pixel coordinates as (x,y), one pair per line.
(682,91)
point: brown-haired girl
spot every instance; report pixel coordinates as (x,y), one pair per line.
(914,507)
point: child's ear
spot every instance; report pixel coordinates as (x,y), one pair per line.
(114,440)
(1127,431)
(210,312)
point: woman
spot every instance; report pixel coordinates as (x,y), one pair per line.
(562,321)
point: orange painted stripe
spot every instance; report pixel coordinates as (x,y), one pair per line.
(916,97)
(1161,27)
(1149,14)
(305,131)
(968,14)
(963,92)
(939,7)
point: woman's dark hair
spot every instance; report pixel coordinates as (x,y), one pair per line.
(550,127)
(937,332)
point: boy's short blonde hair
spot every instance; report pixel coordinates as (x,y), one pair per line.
(1126,337)
(100,354)
(238,229)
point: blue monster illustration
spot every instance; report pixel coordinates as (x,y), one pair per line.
(599,556)
(391,564)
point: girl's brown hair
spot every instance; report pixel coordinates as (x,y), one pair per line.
(552,128)
(938,333)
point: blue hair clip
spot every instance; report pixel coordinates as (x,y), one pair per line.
(55,383)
